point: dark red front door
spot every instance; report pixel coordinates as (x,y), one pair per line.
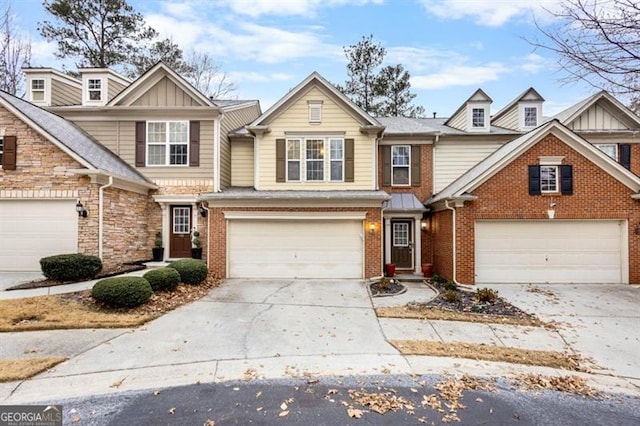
(180,235)
(401,244)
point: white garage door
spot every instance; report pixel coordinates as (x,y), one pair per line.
(295,248)
(30,230)
(551,251)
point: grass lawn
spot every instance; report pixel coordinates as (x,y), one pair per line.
(20,369)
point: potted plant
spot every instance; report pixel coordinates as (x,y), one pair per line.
(158,250)
(196,250)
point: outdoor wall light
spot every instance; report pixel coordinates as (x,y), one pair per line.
(82,212)
(423,225)
(202,210)
(551,213)
(372,227)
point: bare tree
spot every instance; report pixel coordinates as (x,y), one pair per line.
(207,76)
(597,41)
(15,53)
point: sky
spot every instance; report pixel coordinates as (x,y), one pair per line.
(450,47)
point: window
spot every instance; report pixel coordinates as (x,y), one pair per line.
(167,143)
(314,154)
(306,159)
(315,111)
(37,90)
(401,234)
(400,164)
(181,220)
(477,117)
(530,117)
(94,86)
(549,178)
(611,149)
(293,160)
(1,150)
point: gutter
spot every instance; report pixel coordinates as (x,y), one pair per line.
(101,214)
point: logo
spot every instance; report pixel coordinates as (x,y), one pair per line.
(30,415)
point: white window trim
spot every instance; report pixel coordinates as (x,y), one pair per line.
(326,166)
(315,106)
(524,117)
(313,160)
(408,166)
(173,222)
(607,145)
(46,97)
(167,144)
(299,159)
(407,236)
(521,114)
(557,186)
(103,91)
(99,90)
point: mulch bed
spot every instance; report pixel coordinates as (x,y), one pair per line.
(391,288)
(105,273)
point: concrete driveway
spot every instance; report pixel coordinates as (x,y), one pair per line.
(9,279)
(597,321)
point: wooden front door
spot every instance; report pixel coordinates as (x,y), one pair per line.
(402,244)
(180,235)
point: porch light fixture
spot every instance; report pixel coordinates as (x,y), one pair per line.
(82,212)
(423,225)
(551,213)
(372,227)
(202,210)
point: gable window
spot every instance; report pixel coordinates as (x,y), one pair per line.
(293,160)
(314,154)
(400,164)
(477,117)
(37,90)
(611,149)
(549,178)
(315,111)
(167,143)
(530,117)
(94,87)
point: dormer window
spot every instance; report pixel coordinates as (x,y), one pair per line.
(94,89)
(315,111)
(477,118)
(37,90)
(530,117)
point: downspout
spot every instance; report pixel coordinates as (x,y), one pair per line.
(101,214)
(208,232)
(453,220)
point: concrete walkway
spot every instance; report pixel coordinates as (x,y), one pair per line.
(248,329)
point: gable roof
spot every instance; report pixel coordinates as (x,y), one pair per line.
(574,111)
(514,102)
(71,139)
(477,175)
(317,79)
(477,94)
(151,77)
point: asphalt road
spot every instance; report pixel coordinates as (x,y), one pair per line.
(326,402)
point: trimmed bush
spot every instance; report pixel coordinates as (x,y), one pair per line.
(438,279)
(192,271)
(163,279)
(122,292)
(450,285)
(70,267)
(451,296)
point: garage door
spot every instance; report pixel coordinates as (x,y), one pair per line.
(551,251)
(295,248)
(30,230)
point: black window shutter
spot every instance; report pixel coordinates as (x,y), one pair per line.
(534,180)
(9,156)
(349,160)
(194,143)
(566,179)
(625,156)
(141,141)
(281,159)
(386,165)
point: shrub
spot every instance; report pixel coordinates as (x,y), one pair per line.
(158,241)
(438,279)
(451,296)
(163,279)
(486,295)
(122,292)
(70,267)
(384,283)
(192,271)
(450,285)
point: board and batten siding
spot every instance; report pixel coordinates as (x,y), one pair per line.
(597,118)
(242,163)
(166,93)
(334,119)
(232,120)
(64,94)
(452,159)
(509,120)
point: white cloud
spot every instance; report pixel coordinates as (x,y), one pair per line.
(419,59)
(533,63)
(491,13)
(42,52)
(308,8)
(259,77)
(460,75)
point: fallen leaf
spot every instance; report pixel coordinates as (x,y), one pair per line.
(354,413)
(283,406)
(118,383)
(209,422)
(258,394)
(156,392)
(172,410)
(283,413)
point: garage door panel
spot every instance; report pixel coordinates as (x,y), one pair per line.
(554,252)
(295,248)
(32,229)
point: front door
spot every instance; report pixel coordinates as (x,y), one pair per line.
(180,235)
(401,244)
